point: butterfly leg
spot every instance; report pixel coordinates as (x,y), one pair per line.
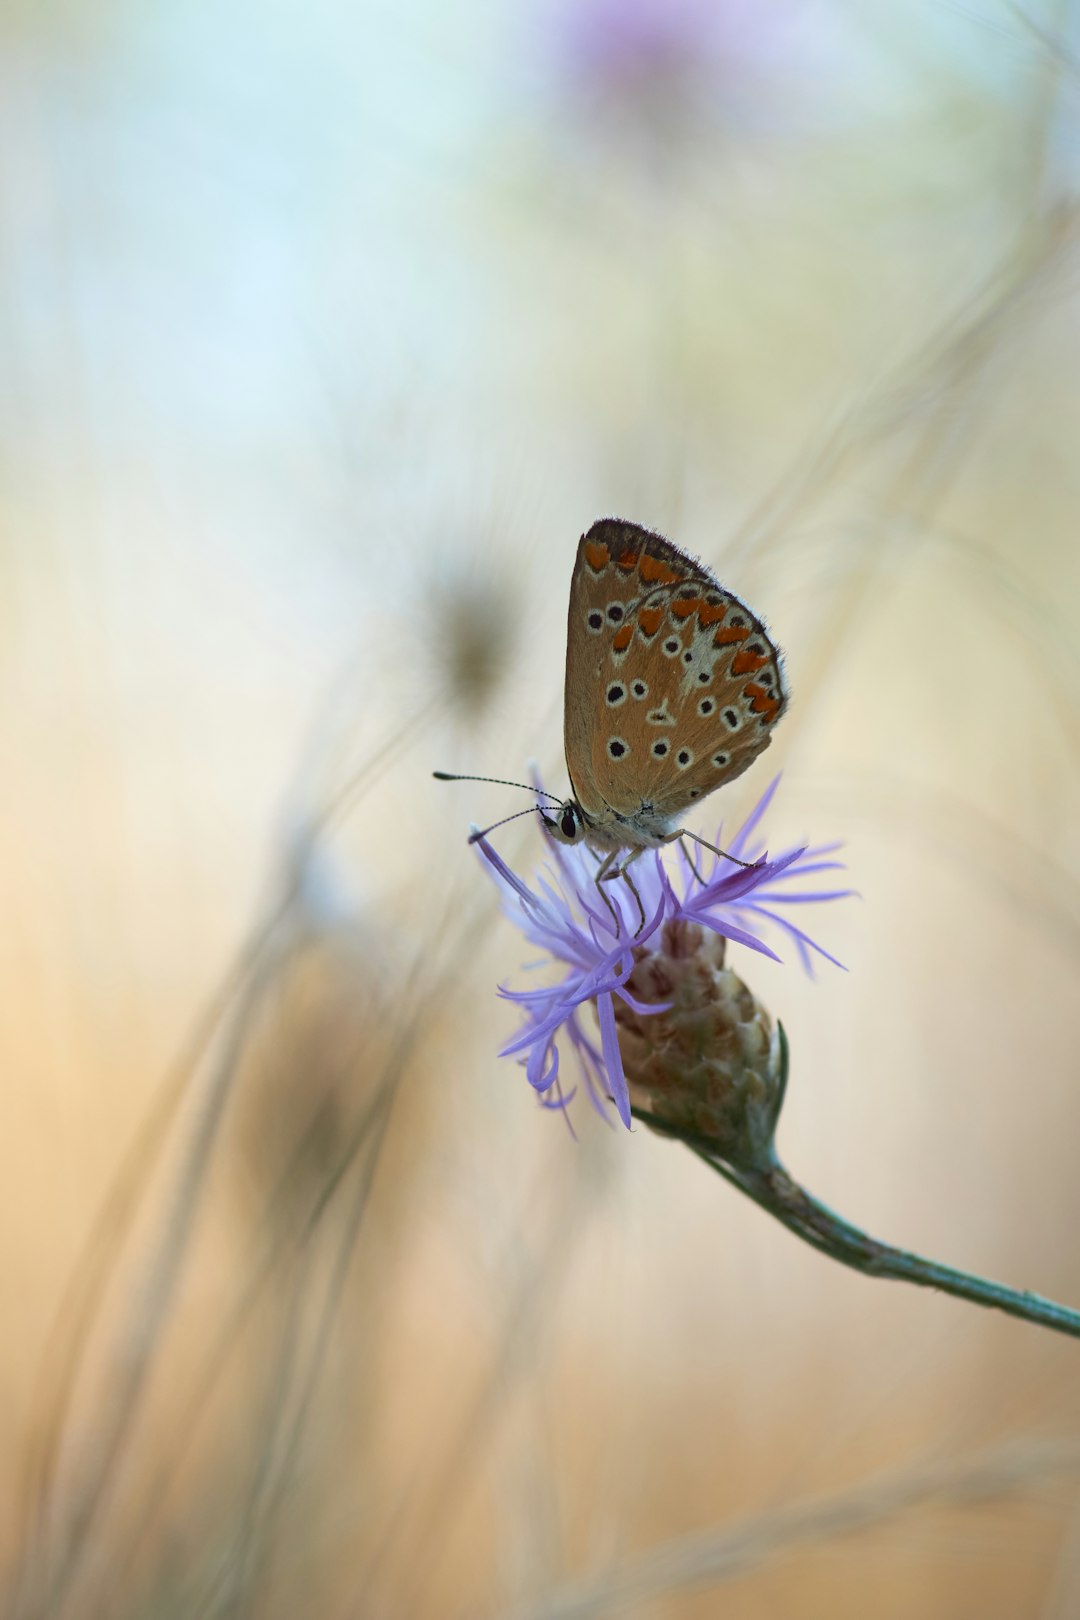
(690,859)
(604,874)
(607,874)
(723,854)
(628,880)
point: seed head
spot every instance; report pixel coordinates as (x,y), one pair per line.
(708,1062)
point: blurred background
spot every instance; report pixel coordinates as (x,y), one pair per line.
(325,330)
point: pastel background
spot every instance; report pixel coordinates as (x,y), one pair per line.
(324,332)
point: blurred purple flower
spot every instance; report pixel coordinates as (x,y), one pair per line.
(567,917)
(624,45)
(663,76)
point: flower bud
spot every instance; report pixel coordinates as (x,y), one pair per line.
(712,1064)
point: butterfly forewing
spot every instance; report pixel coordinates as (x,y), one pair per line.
(673,685)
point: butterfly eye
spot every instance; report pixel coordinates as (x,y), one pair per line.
(568,824)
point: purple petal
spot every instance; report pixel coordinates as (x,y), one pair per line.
(645,1008)
(592,1064)
(539,1077)
(812,898)
(737,935)
(504,872)
(609,1044)
(797,935)
(535,1032)
(752,820)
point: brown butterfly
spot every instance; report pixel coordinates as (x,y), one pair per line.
(673,687)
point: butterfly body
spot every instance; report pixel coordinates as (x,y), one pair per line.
(673,687)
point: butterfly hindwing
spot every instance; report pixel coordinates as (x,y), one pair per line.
(673,685)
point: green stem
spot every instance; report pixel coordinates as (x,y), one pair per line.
(771,1186)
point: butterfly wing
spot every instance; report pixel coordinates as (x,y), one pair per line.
(673,685)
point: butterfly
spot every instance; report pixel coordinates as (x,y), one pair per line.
(673,687)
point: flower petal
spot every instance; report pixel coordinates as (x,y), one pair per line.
(609,1044)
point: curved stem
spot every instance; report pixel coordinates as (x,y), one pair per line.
(781,1196)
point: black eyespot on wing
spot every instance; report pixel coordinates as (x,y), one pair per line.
(615,695)
(688,657)
(706,706)
(617,747)
(705,677)
(595,621)
(671,646)
(660,748)
(732,719)
(720,760)
(684,758)
(640,689)
(615,612)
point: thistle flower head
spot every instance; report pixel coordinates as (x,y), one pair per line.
(644,1004)
(705,1057)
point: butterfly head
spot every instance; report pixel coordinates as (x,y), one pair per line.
(567,825)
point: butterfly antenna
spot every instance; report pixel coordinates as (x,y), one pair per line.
(475,837)
(497,781)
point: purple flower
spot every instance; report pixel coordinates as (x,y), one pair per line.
(624,45)
(594,938)
(665,75)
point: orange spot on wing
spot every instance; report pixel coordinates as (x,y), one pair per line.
(628,560)
(728,633)
(650,620)
(655,572)
(761,702)
(621,639)
(744,663)
(597,556)
(711,612)
(685,606)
